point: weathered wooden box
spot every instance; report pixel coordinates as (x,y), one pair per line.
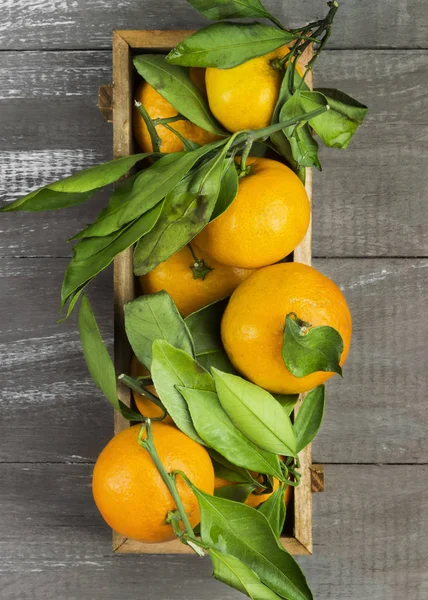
(117,107)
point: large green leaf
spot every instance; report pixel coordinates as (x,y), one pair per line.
(75,189)
(226,45)
(274,510)
(233,572)
(172,367)
(228,190)
(175,85)
(188,208)
(307,349)
(230,9)
(217,430)
(245,533)
(149,188)
(204,326)
(287,401)
(152,317)
(337,126)
(100,365)
(309,417)
(256,413)
(80,272)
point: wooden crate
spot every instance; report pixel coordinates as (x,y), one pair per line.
(115,103)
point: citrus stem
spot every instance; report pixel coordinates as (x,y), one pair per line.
(187,144)
(168,120)
(169,478)
(199,269)
(151,127)
(243,169)
(134,384)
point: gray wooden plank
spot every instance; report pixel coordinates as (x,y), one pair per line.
(375,414)
(50,127)
(370,533)
(80,24)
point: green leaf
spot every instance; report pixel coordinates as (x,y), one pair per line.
(226,470)
(230,9)
(75,189)
(307,349)
(217,430)
(238,492)
(151,317)
(309,417)
(274,509)
(337,126)
(80,272)
(98,360)
(172,367)
(236,574)
(149,188)
(204,326)
(303,146)
(244,532)
(228,190)
(255,413)
(187,210)
(287,401)
(174,84)
(227,45)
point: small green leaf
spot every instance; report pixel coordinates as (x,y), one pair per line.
(172,367)
(187,209)
(174,84)
(237,492)
(337,126)
(236,574)
(204,326)
(287,401)
(97,358)
(75,189)
(274,509)
(309,417)
(151,317)
(230,9)
(226,45)
(100,365)
(80,272)
(228,190)
(307,349)
(217,430)
(228,471)
(255,413)
(245,533)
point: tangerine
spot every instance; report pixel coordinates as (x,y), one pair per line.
(129,491)
(252,327)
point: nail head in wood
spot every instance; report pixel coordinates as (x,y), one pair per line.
(105,102)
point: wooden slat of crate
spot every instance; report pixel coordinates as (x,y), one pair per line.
(124,41)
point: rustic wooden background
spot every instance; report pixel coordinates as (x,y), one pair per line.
(370,235)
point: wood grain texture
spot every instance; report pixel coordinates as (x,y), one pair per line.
(376,414)
(370,200)
(369,542)
(80,24)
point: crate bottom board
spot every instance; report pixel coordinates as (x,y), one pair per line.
(122,545)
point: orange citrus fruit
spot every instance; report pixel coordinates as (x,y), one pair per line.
(267,220)
(144,405)
(245,96)
(129,491)
(157,108)
(253,499)
(253,323)
(178,276)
